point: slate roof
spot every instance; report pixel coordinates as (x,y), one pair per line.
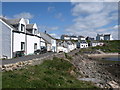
(45,37)
(81,37)
(83,41)
(29,26)
(13,21)
(7,22)
(51,36)
(107,34)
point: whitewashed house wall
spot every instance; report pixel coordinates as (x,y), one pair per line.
(74,38)
(82,38)
(5,40)
(54,49)
(19,37)
(32,39)
(83,45)
(42,43)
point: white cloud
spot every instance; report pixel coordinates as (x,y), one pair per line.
(50,9)
(91,17)
(86,8)
(94,0)
(55,35)
(26,15)
(59,16)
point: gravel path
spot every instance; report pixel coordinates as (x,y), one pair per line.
(25,58)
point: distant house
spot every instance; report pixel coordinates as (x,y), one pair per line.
(81,37)
(73,38)
(104,37)
(82,44)
(65,46)
(51,42)
(89,38)
(62,46)
(96,43)
(108,37)
(68,37)
(65,37)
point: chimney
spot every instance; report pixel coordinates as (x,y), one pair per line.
(27,21)
(45,32)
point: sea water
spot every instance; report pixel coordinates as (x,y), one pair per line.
(112,58)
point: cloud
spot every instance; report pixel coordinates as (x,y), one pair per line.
(59,16)
(50,9)
(55,35)
(75,1)
(26,15)
(86,8)
(90,18)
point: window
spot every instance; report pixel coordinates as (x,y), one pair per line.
(35,31)
(22,46)
(35,46)
(22,27)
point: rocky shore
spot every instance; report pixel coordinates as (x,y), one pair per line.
(102,74)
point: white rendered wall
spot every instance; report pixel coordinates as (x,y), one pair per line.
(42,43)
(67,38)
(17,39)
(31,40)
(74,38)
(22,21)
(83,45)
(5,40)
(53,45)
(82,38)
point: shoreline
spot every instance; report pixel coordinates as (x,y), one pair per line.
(102,55)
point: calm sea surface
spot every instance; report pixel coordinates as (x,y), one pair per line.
(112,58)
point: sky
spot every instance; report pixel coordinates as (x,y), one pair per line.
(71,18)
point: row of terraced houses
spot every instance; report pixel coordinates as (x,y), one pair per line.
(21,35)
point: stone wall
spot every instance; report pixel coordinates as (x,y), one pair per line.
(22,64)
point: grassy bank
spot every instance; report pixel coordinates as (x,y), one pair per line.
(110,46)
(51,74)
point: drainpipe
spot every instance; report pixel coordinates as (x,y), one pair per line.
(25,41)
(12,44)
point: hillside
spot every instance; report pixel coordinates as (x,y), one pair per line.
(54,73)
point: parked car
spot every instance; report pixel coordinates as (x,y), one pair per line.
(19,53)
(40,51)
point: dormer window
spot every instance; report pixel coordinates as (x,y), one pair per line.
(35,31)
(22,27)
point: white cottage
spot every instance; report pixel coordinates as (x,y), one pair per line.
(96,43)
(51,42)
(18,35)
(65,46)
(82,44)
(81,37)
(104,37)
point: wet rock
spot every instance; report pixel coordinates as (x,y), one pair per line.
(113,84)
